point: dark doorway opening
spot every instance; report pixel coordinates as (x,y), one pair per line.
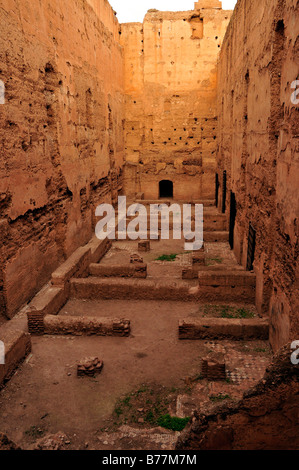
(232,218)
(166,188)
(217,184)
(224,193)
(251,248)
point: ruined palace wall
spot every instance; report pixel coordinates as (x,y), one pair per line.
(258,148)
(170,84)
(61,133)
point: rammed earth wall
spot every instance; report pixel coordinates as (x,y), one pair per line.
(61,134)
(258,149)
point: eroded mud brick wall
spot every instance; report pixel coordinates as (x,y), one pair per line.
(61,134)
(171,105)
(258,148)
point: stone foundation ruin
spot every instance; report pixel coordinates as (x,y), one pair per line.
(187,107)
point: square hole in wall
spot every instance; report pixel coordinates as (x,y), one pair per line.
(197,27)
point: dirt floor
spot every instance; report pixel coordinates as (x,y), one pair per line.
(145,376)
(47,383)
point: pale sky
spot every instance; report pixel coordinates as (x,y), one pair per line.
(135,10)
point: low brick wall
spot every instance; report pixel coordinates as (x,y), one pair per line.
(86,325)
(228,278)
(47,302)
(215,222)
(77,264)
(226,286)
(51,298)
(17,344)
(224,328)
(213,237)
(98,248)
(136,289)
(138,270)
(190,273)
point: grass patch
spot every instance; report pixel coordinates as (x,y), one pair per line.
(172,422)
(34,432)
(225,311)
(147,406)
(260,350)
(167,257)
(118,411)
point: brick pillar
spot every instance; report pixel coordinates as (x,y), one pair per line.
(35,322)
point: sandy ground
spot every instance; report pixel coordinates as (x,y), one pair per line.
(45,395)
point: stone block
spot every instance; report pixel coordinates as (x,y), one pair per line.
(89,367)
(213,367)
(86,325)
(223,328)
(144,246)
(135,258)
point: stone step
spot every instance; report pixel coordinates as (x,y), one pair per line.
(212,222)
(77,264)
(224,328)
(147,202)
(228,289)
(227,285)
(223,268)
(130,289)
(138,270)
(214,236)
(192,272)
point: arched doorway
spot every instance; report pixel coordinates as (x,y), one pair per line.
(165,189)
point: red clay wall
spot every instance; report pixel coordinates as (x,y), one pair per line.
(61,134)
(258,148)
(171,100)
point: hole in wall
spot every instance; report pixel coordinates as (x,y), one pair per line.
(166,189)
(279,26)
